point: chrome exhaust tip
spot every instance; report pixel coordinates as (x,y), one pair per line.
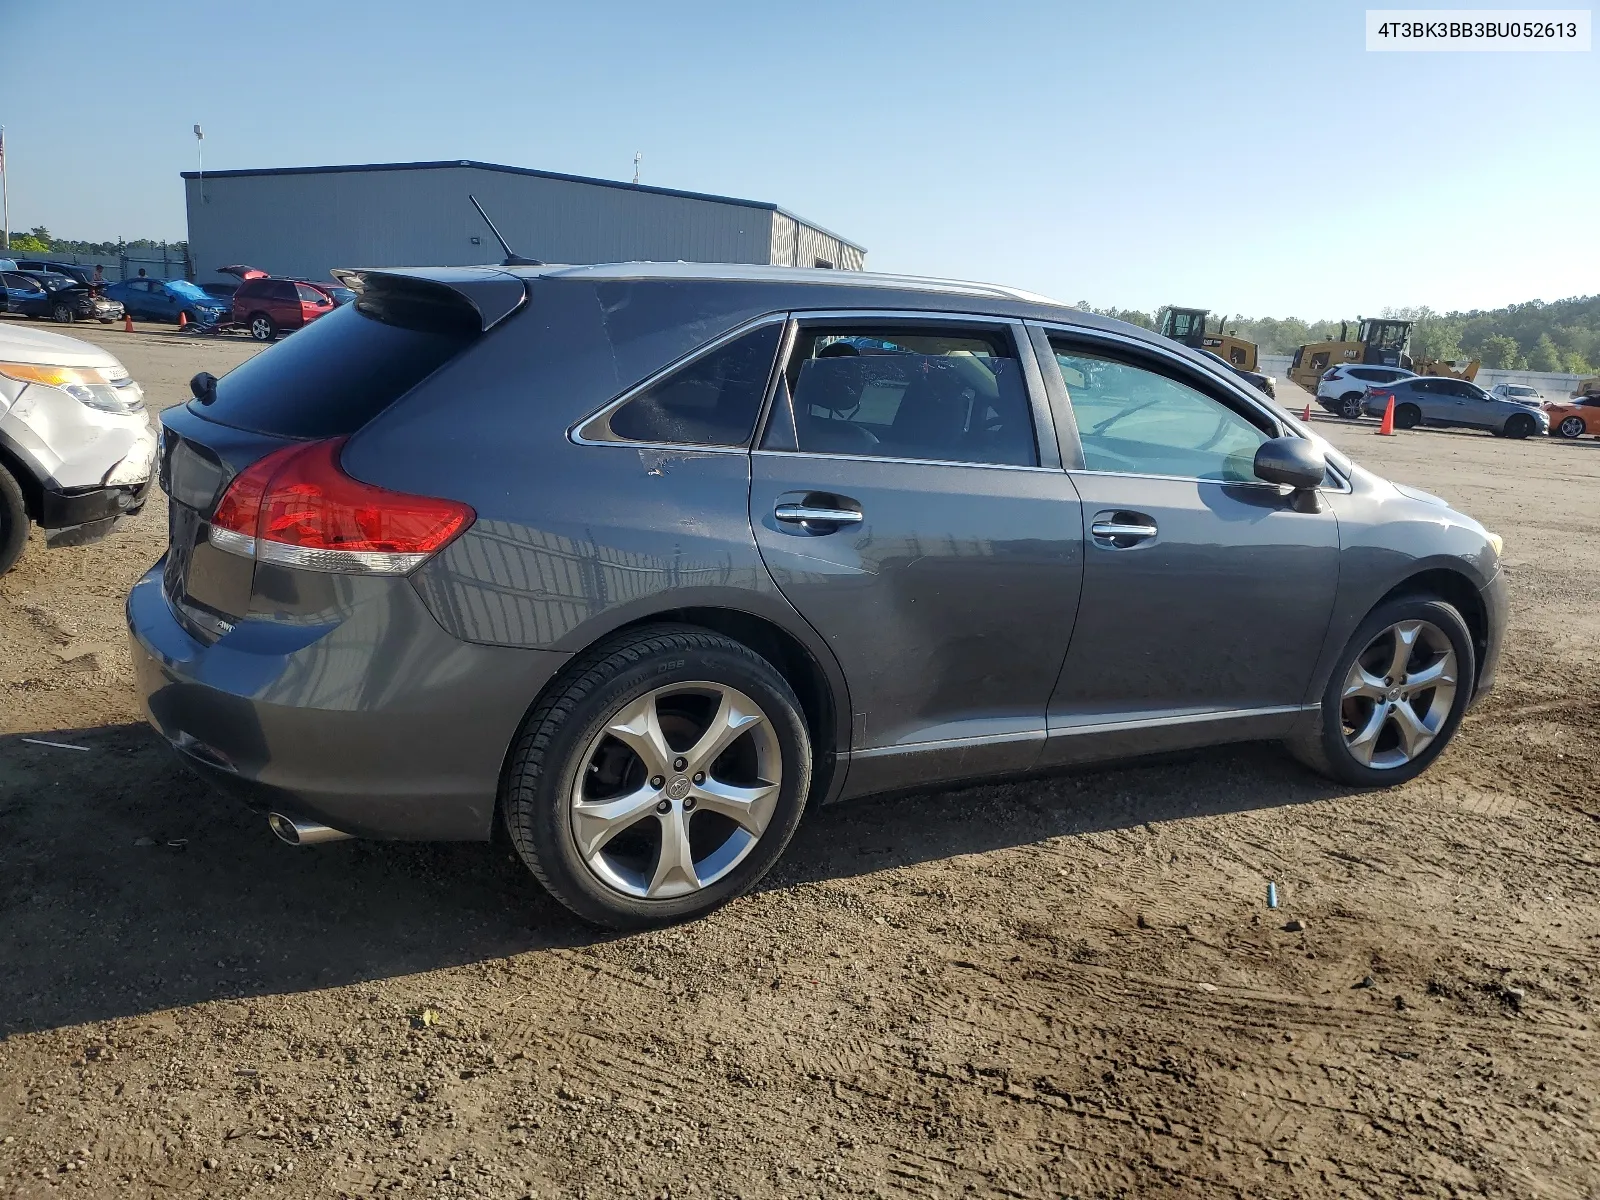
(302,833)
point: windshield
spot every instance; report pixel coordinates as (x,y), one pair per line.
(1521,391)
(187,290)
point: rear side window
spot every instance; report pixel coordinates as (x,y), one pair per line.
(712,401)
(333,376)
(309,294)
(947,395)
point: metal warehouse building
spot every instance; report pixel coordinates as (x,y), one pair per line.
(303,221)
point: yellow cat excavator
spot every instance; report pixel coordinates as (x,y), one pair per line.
(1188,325)
(1379,341)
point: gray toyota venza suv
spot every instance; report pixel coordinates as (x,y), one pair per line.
(636,562)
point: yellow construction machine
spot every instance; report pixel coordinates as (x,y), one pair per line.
(1379,341)
(1188,325)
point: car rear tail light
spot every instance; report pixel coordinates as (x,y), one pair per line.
(297,508)
(1378,393)
(1330,376)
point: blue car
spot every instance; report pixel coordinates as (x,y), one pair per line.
(164,299)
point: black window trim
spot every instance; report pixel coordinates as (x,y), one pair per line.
(1208,379)
(1039,409)
(595,429)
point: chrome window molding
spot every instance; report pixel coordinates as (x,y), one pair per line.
(831,455)
(1342,488)
(595,429)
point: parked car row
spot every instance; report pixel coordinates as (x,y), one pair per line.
(264,305)
(1508,409)
(56,296)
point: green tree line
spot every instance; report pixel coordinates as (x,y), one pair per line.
(1535,336)
(39,240)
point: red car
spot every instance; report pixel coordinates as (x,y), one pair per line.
(267,306)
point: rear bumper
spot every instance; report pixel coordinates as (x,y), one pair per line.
(380,724)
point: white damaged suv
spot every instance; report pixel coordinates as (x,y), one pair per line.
(76,447)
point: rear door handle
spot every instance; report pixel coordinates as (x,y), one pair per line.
(800,514)
(1120,531)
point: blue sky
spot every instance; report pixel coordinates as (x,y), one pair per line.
(1251,157)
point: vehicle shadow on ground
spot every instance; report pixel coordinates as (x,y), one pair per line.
(128,886)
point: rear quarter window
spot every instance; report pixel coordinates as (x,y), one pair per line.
(332,377)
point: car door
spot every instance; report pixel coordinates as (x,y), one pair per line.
(284,303)
(27,295)
(907,498)
(1206,592)
(138,300)
(1475,407)
(1434,405)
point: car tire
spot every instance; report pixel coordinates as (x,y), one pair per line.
(62,314)
(1407,416)
(1350,406)
(1350,740)
(1520,426)
(1572,427)
(13,520)
(569,771)
(263,328)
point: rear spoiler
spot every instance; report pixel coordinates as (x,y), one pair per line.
(479,296)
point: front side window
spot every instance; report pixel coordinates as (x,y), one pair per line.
(924,393)
(711,401)
(1134,421)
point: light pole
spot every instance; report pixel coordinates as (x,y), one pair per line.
(200,159)
(638,157)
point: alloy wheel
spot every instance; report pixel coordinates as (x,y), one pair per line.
(1398,694)
(1572,427)
(676,790)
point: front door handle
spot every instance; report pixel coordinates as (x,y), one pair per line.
(801,514)
(1122,530)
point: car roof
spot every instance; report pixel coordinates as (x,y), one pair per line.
(875,290)
(753,273)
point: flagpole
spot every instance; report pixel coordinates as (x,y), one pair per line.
(5,195)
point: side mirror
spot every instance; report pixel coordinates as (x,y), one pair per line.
(204,387)
(1296,463)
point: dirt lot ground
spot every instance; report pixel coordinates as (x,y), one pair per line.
(1062,988)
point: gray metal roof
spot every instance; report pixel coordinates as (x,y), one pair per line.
(485,166)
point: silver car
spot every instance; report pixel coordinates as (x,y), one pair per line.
(76,449)
(1438,401)
(1518,393)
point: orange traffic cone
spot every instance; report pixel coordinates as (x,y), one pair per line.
(1387,426)
(1306,416)
(127,322)
(183,320)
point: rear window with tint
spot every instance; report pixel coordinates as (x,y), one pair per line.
(712,401)
(332,377)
